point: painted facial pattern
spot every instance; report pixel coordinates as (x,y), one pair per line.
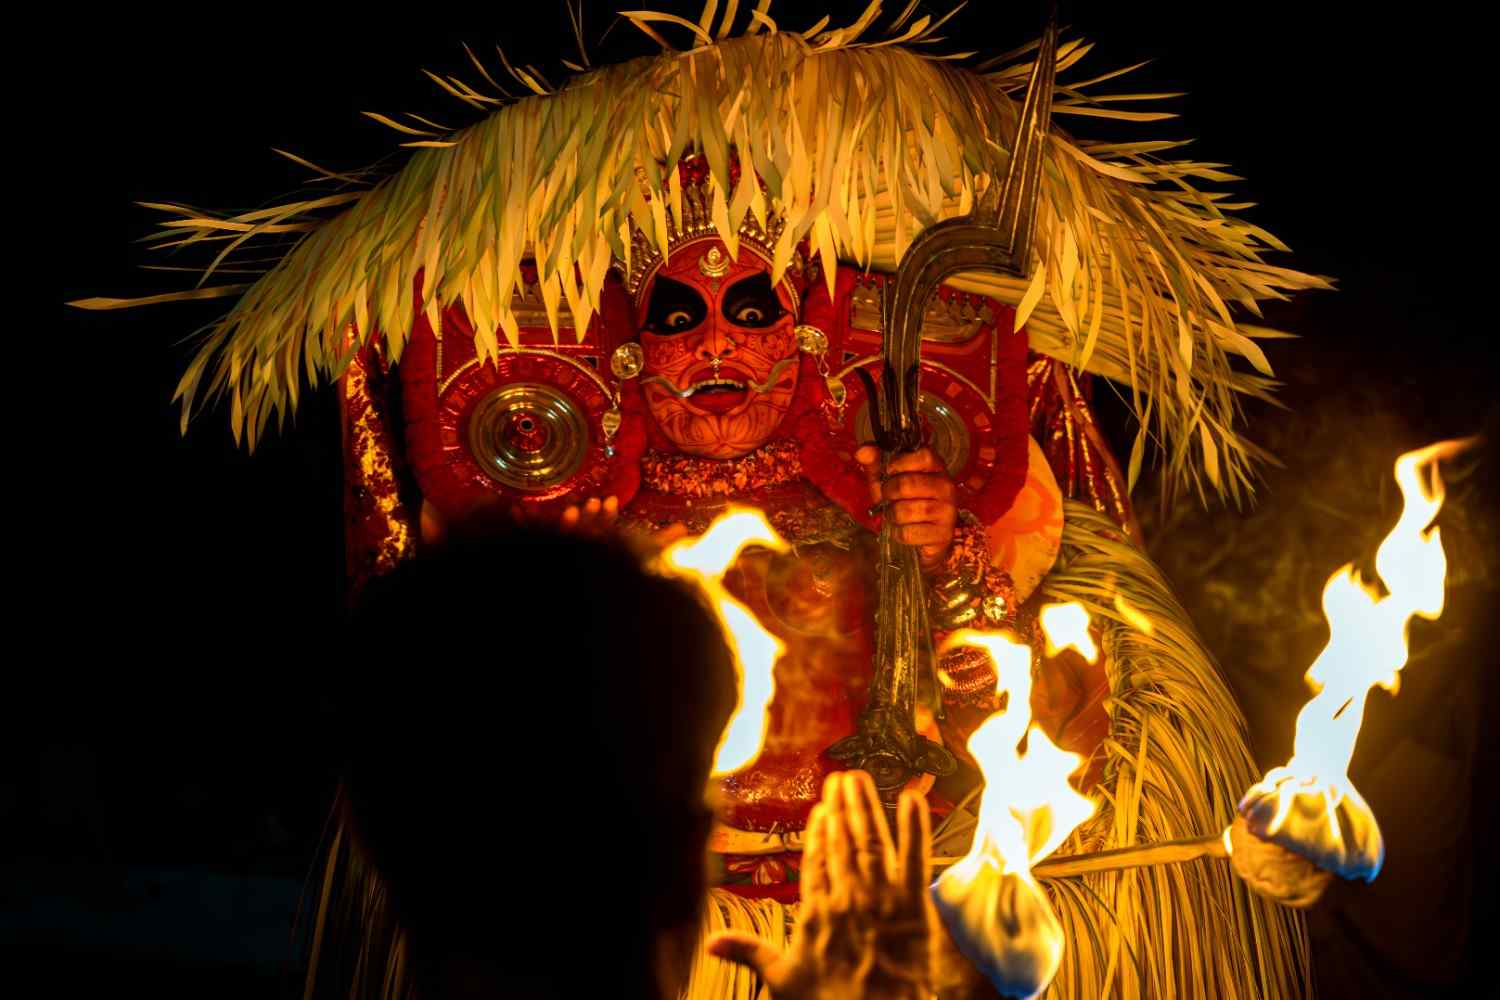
(720,352)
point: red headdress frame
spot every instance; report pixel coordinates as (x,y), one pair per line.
(696,227)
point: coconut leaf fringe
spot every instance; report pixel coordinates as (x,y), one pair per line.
(358,949)
(1177,763)
(714,978)
(860,140)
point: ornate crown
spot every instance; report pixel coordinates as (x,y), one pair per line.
(697,224)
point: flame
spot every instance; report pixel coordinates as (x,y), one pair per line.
(996,913)
(1065,626)
(1309,805)
(704,560)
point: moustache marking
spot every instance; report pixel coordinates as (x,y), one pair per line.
(759,388)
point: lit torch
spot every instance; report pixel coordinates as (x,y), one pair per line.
(1308,805)
(704,560)
(1304,821)
(993,908)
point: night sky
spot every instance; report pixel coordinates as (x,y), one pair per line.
(172,702)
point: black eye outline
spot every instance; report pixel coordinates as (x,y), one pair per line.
(753,295)
(674,308)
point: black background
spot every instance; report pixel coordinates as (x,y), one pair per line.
(176,600)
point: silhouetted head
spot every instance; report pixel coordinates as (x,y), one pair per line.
(532,721)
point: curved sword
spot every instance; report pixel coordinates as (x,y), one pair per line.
(995,236)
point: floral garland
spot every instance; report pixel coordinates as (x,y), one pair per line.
(773,464)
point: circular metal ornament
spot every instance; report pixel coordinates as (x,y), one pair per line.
(627,360)
(528,436)
(950,435)
(811,340)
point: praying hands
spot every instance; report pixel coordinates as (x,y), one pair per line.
(866,927)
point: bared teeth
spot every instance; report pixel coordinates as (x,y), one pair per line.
(715,384)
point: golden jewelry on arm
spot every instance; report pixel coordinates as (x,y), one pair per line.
(967,591)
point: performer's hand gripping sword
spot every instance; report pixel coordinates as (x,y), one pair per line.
(995,237)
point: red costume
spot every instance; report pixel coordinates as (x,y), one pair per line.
(730,412)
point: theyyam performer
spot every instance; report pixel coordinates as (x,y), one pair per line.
(645,295)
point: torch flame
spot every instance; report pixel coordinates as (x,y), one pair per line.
(996,913)
(1309,805)
(704,560)
(1065,626)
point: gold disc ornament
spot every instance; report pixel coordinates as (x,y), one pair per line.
(528,436)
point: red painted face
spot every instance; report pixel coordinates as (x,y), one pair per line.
(720,351)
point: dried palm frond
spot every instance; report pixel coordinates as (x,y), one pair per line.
(859,140)
(1177,762)
(358,948)
(714,978)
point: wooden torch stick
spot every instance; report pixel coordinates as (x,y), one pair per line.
(1167,853)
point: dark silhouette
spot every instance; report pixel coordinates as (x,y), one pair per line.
(530,722)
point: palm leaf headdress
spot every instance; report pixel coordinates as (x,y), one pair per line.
(857,142)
